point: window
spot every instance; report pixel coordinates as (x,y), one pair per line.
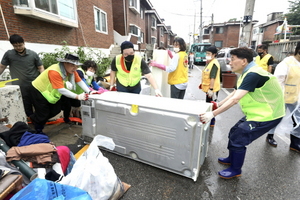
(62,12)
(206,31)
(218,43)
(142,13)
(261,30)
(66,7)
(153,22)
(161,31)
(134,6)
(141,38)
(153,40)
(219,30)
(100,20)
(162,44)
(135,30)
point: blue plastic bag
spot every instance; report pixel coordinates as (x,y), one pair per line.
(41,189)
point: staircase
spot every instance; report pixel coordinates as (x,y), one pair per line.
(116,50)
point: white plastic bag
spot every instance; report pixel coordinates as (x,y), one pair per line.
(92,172)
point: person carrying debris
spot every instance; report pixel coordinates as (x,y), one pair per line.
(261,100)
(127,69)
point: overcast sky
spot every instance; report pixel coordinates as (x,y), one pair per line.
(180,14)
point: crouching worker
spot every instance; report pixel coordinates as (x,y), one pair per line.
(86,72)
(47,89)
(261,100)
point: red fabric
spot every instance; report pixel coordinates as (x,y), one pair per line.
(64,157)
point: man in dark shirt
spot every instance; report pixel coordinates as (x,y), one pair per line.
(261,99)
(24,64)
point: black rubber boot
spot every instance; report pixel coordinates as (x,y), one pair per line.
(295,144)
(270,140)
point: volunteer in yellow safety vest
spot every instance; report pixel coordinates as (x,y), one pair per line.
(127,70)
(178,70)
(211,75)
(261,100)
(264,59)
(288,75)
(47,89)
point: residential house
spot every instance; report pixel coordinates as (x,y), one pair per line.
(46,26)
(96,24)
(227,34)
(137,21)
(265,32)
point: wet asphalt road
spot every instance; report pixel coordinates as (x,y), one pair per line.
(268,172)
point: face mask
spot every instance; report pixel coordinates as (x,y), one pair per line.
(129,58)
(208,57)
(89,73)
(260,54)
(176,49)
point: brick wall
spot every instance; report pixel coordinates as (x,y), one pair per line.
(118,16)
(38,31)
(269,32)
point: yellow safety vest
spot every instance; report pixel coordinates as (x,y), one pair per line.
(292,82)
(180,75)
(265,103)
(132,77)
(206,76)
(263,62)
(43,84)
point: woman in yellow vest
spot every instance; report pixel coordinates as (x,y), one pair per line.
(288,75)
(47,89)
(261,100)
(178,70)
(127,70)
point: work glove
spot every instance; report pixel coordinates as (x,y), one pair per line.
(170,54)
(200,86)
(94,92)
(155,64)
(113,88)
(215,105)
(83,96)
(158,93)
(102,90)
(206,117)
(210,93)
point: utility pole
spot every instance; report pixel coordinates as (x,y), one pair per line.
(200,27)
(211,37)
(247,21)
(194,27)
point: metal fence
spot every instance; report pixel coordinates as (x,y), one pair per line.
(281,50)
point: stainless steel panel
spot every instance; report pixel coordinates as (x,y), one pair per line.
(161,132)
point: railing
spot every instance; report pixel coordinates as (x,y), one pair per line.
(282,50)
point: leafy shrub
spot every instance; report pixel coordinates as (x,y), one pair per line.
(84,53)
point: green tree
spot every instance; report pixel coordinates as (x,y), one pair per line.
(293,16)
(84,53)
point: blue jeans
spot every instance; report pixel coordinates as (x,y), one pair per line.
(244,132)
